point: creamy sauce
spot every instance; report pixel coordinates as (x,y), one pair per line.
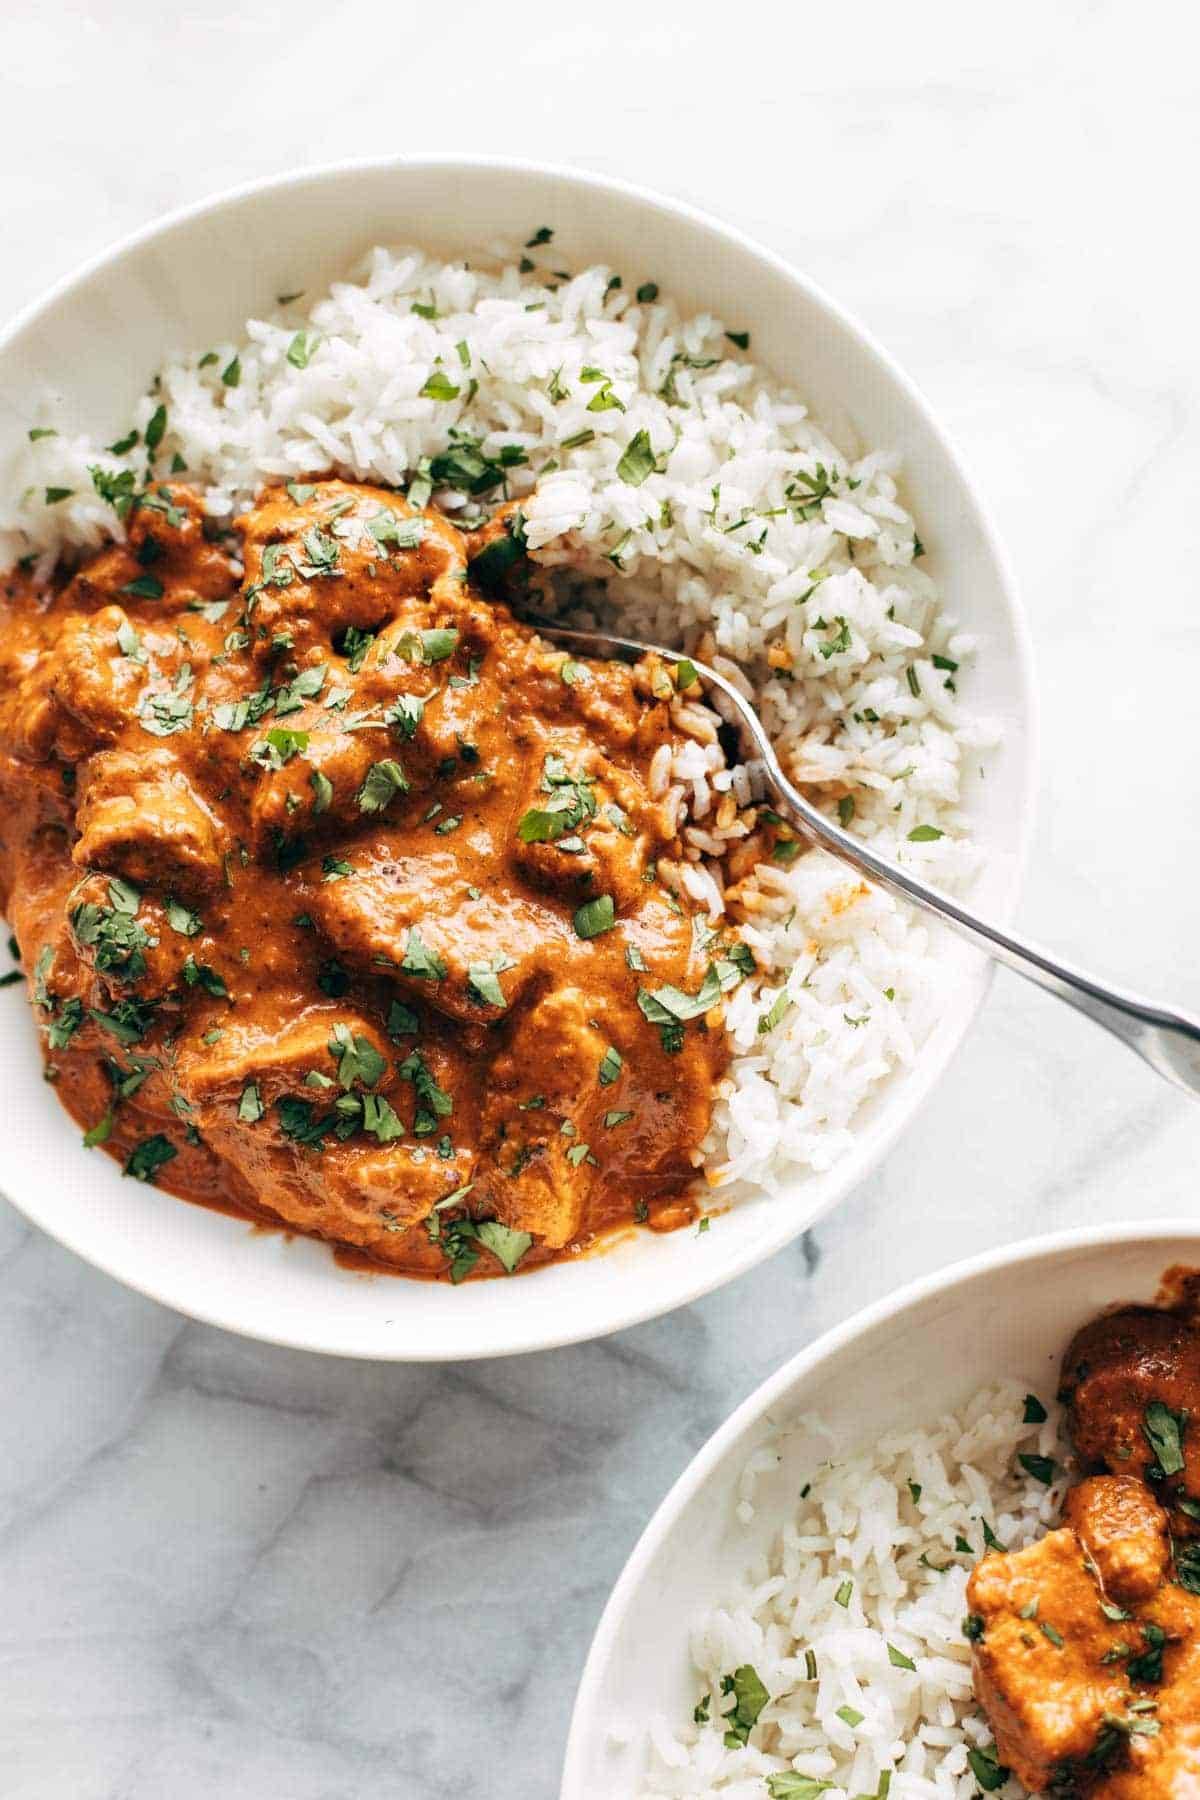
(335,887)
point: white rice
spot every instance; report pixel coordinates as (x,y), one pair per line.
(837,595)
(843,1578)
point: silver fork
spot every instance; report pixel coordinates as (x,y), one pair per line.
(1168,1041)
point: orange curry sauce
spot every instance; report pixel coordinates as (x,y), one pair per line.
(335,886)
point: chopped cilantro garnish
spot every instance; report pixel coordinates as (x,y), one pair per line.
(506,1245)
(1163,1431)
(420,961)
(595,917)
(356,1057)
(637,460)
(149,1157)
(384,780)
(250,1106)
(200,975)
(439,387)
(300,350)
(749,1698)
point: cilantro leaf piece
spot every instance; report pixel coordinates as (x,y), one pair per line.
(987,1768)
(300,350)
(101,1131)
(774,1013)
(289,699)
(506,1245)
(749,1698)
(380,1120)
(439,387)
(637,460)
(168,710)
(420,961)
(384,780)
(128,1022)
(322,553)
(404,715)
(666,1004)
(298,1121)
(1163,1431)
(144,587)
(387,528)
(279,746)
(483,981)
(1147,1667)
(64,1024)
(148,1157)
(322,789)
(115,489)
(433,1102)
(200,975)
(465,466)
(156,429)
(402,1020)
(1187,1566)
(112,932)
(491,564)
(356,1057)
(1040,1467)
(250,1106)
(595,917)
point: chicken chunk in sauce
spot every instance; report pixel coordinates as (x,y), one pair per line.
(1086,1644)
(336,887)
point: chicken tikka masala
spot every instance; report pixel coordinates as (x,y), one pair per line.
(335,885)
(1086,1644)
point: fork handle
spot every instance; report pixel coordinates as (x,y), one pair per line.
(1168,1041)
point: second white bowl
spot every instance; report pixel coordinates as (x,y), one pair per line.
(897,1366)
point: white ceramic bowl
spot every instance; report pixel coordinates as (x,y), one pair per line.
(896,1365)
(192,279)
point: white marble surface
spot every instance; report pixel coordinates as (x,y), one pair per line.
(234,1571)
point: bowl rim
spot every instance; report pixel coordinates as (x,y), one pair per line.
(975,982)
(777,1389)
